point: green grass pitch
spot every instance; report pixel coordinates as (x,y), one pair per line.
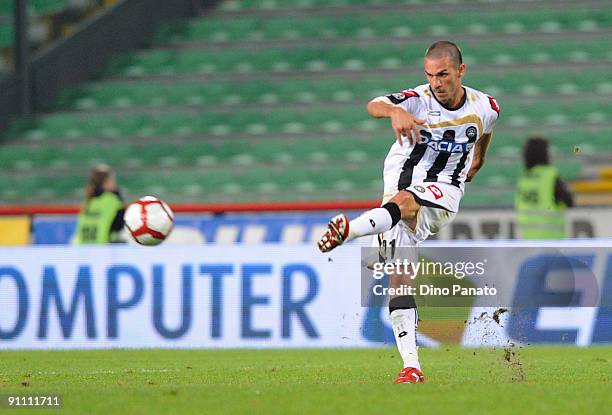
(532,380)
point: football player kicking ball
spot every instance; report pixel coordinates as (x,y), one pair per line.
(442,130)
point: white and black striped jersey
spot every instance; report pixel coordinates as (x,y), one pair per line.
(446,149)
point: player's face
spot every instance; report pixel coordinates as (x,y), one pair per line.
(445,79)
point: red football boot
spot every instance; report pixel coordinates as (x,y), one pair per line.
(336,233)
(410,375)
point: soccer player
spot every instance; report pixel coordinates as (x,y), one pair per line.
(442,131)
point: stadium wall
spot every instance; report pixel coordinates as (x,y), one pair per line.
(306,226)
(265,296)
(127,25)
(81,56)
(9,100)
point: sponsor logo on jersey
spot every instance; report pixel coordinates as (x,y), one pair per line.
(419,189)
(435,190)
(446,146)
(434,113)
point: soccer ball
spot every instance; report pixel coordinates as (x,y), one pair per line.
(149,220)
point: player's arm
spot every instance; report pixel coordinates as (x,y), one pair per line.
(402,122)
(480,151)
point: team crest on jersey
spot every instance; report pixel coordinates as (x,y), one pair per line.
(471,132)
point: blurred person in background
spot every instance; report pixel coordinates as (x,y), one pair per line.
(541,196)
(101,218)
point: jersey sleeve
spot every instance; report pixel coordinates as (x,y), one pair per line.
(492,111)
(407,99)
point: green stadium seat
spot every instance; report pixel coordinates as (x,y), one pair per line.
(168,136)
(382,24)
(76,126)
(39,7)
(475,198)
(186,93)
(316,59)
(6,35)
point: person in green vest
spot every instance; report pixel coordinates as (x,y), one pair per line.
(101,217)
(541,196)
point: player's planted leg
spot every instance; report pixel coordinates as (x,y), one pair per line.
(404,322)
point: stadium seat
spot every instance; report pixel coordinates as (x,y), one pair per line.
(313,59)
(6,35)
(76,126)
(39,7)
(138,94)
(161,116)
(380,24)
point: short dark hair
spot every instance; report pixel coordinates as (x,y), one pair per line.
(535,152)
(445,48)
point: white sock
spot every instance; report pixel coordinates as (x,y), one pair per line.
(404,323)
(372,222)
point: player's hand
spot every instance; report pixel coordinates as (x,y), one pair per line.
(405,124)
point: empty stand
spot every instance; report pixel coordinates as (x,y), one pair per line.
(265,100)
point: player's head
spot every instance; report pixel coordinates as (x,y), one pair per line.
(444,69)
(535,152)
(101,179)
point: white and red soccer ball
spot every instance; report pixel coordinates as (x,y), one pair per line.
(149,220)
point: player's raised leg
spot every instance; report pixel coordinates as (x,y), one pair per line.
(402,206)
